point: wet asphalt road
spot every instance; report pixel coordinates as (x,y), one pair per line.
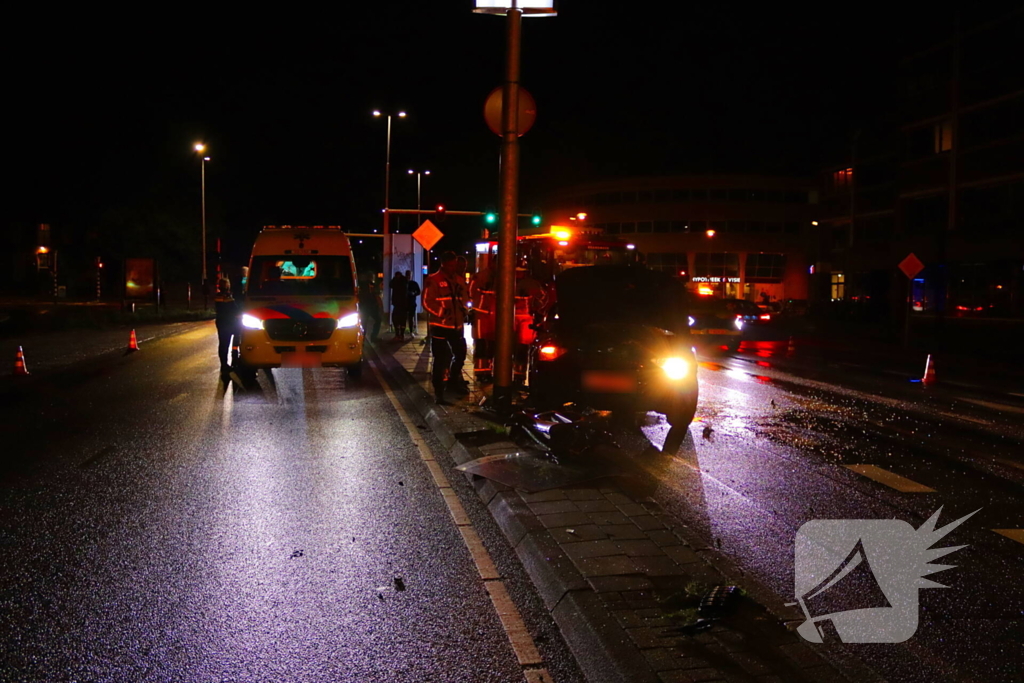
(779,454)
(155,526)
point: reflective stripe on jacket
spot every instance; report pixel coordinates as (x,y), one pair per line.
(444,301)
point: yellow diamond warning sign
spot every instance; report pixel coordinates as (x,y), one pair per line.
(427,235)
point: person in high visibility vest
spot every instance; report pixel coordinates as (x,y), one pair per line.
(444,302)
(481,293)
(529,303)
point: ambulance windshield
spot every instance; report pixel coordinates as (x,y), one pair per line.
(288,275)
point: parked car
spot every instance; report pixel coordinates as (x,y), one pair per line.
(617,340)
(716,322)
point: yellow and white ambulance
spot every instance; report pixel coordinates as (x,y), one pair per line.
(300,301)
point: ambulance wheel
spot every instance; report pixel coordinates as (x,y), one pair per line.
(355,371)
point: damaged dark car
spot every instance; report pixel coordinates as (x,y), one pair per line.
(617,339)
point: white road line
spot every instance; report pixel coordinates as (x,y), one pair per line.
(995,406)
(964,417)
(890,479)
(1011,463)
(511,620)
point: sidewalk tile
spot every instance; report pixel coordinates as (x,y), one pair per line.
(664,537)
(562,519)
(658,566)
(595,506)
(542,496)
(623,532)
(636,618)
(606,566)
(583,494)
(632,510)
(800,654)
(648,522)
(611,584)
(608,518)
(579,551)
(751,663)
(682,554)
(617,498)
(640,548)
(691,676)
(550,507)
(586,532)
(647,637)
(663,658)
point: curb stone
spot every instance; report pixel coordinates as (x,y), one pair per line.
(590,610)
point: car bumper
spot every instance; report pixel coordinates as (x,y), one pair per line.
(344,347)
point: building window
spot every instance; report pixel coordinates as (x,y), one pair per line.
(943,134)
(663,196)
(662,226)
(737,226)
(717,265)
(755,226)
(842,178)
(612,228)
(719,195)
(838,287)
(681,195)
(793,228)
(669,263)
(773,227)
(628,227)
(765,267)
(644,226)
(645,196)
(697,226)
(677,226)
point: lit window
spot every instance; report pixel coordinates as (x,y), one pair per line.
(842,178)
(943,133)
(838,287)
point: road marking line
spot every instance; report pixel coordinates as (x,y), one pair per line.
(890,479)
(1011,463)
(511,621)
(994,406)
(1015,534)
(964,417)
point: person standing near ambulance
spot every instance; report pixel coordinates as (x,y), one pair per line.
(228,322)
(445,306)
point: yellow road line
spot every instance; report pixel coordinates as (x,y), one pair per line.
(890,479)
(1015,534)
(511,621)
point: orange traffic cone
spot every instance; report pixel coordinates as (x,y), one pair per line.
(19,363)
(929,371)
(133,343)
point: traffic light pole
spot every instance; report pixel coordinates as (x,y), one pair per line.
(507,232)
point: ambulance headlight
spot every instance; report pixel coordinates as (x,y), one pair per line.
(350,320)
(252,322)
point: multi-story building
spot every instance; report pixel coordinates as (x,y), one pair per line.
(940,177)
(734,236)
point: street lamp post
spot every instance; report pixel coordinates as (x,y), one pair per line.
(513,11)
(200,147)
(419,179)
(387,205)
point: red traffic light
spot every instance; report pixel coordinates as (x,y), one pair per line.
(439,213)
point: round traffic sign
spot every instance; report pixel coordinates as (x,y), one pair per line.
(527,110)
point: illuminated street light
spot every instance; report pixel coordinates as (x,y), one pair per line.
(419,178)
(710,233)
(387,191)
(200,148)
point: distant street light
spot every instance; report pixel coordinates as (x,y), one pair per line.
(419,175)
(710,233)
(387,190)
(200,148)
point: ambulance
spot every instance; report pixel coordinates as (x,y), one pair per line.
(300,301)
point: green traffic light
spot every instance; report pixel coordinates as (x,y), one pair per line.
(536,220)
(491,218)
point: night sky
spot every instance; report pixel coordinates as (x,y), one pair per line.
(103,110)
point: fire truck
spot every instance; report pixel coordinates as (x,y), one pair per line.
(541,255)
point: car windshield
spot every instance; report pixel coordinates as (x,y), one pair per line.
(621,294)
(288,275)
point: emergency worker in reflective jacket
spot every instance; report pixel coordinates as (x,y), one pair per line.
(444,303)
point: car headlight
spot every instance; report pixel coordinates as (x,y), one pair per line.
(692,321)
(252,322)
(739,322)
(350,320)
(675,368)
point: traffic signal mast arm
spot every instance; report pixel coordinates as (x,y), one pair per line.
(454,213)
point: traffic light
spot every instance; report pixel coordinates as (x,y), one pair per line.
(536,219)
(490,218)
(439,213)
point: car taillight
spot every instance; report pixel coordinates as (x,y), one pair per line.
(765,316)
(549,352)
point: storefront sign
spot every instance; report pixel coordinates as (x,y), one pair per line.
(701,278)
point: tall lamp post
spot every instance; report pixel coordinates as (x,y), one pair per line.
(387,216)
(200,148)
(513,11)
(419,179)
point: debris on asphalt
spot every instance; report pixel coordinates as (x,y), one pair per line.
(399,584)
